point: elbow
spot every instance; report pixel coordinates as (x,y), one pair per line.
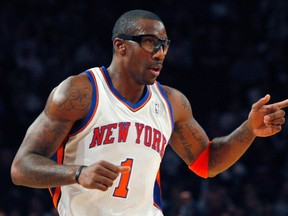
(215,172)
(15,173)
(212,174)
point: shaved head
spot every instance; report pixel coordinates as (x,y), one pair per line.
(128,22)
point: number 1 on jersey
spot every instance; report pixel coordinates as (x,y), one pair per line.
(122,189)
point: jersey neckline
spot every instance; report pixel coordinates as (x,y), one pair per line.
(134,107)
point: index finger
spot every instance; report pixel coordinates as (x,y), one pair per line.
(114,168)
(124,169)
(109,166)
(281,104)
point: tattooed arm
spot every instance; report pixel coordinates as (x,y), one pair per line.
(67,103)
(189,139)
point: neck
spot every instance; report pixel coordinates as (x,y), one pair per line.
(126,87)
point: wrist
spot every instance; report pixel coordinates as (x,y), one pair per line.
(78,173)
(250,128)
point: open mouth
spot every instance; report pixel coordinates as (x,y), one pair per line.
(156,68)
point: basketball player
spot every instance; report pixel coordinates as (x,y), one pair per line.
(100,139)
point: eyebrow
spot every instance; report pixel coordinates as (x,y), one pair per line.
(133,37)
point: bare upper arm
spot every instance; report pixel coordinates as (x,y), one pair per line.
(188,138)
(68,102)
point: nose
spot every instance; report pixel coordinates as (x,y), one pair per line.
(159,54)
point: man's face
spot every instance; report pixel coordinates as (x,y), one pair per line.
(144,66)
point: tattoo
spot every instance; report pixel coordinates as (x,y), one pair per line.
(168,91)
(189,153)
(186,145)
(48,134)
(76,98)
(242,135)
(237,142)
(43,140)
(185,102)
(197,135)
(214,161)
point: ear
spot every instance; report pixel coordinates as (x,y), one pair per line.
(119,46)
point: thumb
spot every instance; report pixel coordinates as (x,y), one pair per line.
(124,169)
(261,102)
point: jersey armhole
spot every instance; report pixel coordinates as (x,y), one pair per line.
(81,124)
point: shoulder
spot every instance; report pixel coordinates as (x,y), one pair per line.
(180,103)
(71,99)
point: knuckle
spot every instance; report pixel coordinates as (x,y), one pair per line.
(101,162)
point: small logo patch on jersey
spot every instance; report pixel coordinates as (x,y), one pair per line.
(156,107)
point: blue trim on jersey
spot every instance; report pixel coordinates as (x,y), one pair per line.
(81,123)
(54,157)
(133,106)
(168,102)
(157,195)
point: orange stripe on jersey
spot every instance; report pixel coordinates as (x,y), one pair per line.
(155,204)
(56,192)
(55,196)
(60,153)
(158,179)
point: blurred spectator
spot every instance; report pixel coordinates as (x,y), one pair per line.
(188,207)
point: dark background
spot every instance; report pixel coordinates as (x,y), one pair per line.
(224,56)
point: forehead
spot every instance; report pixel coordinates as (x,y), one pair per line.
(154,27)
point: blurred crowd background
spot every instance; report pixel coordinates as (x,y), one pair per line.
(224,56)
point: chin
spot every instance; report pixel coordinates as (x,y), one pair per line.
(151,82)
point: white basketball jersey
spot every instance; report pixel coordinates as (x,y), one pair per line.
(121,133)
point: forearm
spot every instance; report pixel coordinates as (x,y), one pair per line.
(37,171)
(225,151)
